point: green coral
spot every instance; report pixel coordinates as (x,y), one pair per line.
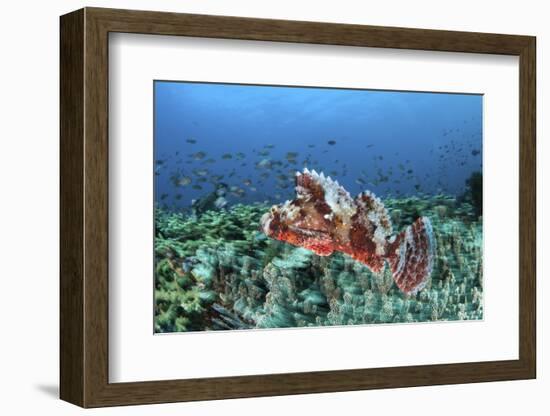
(219,272)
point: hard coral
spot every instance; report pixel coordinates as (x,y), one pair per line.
(257,282)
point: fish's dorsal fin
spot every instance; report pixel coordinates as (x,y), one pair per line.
(317,186)
(308,185)
(372,210)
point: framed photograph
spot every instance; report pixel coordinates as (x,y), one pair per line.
(254,207)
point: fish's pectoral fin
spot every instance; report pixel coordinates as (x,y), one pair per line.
(411,256)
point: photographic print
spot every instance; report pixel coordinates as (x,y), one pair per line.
(295,206)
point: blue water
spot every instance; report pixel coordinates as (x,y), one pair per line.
(392,143)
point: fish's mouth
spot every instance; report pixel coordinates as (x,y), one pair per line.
(270,225)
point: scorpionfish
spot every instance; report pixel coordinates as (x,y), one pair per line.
(324,218)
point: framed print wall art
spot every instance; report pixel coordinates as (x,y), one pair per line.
(255,207)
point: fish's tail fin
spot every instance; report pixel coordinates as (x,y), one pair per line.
(411,256)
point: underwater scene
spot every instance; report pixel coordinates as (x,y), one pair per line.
(288,206)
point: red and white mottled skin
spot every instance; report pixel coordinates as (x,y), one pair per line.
(324,218)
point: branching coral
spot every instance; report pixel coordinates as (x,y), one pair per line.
(219,272)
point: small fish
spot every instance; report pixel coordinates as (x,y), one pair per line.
(184,181)
(236,191)
(332,142)
(227,156)
(475,152)
(200,172)
(264,164)
(198,155)
(192,141)
(197,187)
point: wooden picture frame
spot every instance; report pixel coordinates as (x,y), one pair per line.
(84,207)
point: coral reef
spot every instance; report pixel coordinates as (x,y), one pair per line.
(220,272)
(324,218)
